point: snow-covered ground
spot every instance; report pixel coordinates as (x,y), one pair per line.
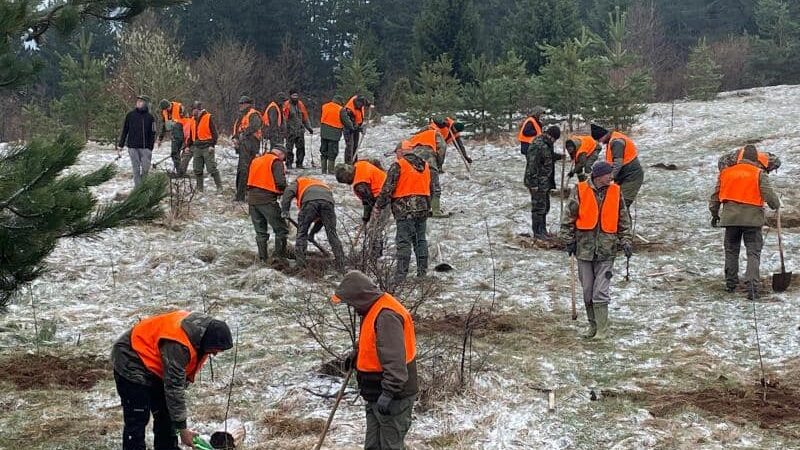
(676,332)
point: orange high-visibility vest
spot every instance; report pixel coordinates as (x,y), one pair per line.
(588,145)
(763,158)
(741,184)
(631,152)
(300,105)
(279,115)
(201,130)
(589,213)
(447,131)
(242,125)
(358,113)
(260,175)
(330,115)
(368,360)
(425,137)
(528,139)
(411,182)
(304,183)
(147,334)
(366,172)
(172,113)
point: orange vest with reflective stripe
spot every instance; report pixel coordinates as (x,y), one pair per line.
(304,183)
(260,175)
(357,112)
(279,115)
(411,182)
(631,152)
(425,137)
(242,125)
(741,184)
(201,131)
(368,360)
(172,113)
(300,105)
(366,172)
(528,139)
(330,115)
(588,145)
(589,213)
(763,158)
(146,335)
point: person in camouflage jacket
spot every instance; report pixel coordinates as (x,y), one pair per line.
(540,178)
(735,156)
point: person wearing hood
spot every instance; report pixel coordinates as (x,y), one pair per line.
(540,178)
(153,362)
(139,136)
(584,151)
(202,140)
(274,125)
(595,224)
(623,154)
(407,188)
(529,129)
(295,115)
(740,194)
(247,142)
(385,360)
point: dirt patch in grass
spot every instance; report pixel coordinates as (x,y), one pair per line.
(283,425)
(788,219)
(739,404)
(526,241)
(53,372)
(453,323)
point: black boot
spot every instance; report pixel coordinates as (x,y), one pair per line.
(263,249)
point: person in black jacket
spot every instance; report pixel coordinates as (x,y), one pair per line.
(139,135)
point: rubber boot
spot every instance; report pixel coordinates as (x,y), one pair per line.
(323,162)
(436,207)
(592,330)
(601,316)
(263,249)
(331,165)
(199,184)
(218,182)
(539,230)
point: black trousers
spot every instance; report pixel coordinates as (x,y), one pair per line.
(138,403)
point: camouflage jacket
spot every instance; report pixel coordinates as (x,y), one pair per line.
(412,207)
(434,158)
(540,164)
(594,245)
(732,158)
(174,358)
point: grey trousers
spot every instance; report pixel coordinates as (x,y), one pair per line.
(310,212)
(140,161)
(753,242)
(595,280)
(388,432)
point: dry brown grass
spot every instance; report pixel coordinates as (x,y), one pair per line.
(53,372)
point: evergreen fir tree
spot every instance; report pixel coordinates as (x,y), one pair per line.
(703,76)
(514,82)
(437,92)
(484,96)
(777,48)
(539,22)
(619,88)
(448,27)
(357,75)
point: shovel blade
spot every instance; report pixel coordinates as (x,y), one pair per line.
(443,267)
(781,281)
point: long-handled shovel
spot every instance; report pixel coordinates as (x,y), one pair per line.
(781,281)
(339,396)
(572,282)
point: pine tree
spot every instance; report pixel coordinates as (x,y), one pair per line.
(564,82)
(484,96)
(437,92)
(619,88)
(448,27)
(85,102)
(539,22)
(357,75)
(514,82)
(703,76)
(777,48)
(40,204)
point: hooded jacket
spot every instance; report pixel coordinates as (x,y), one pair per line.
(204,332)
(398,379)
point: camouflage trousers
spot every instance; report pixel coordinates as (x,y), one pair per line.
(388,432)
(753,242)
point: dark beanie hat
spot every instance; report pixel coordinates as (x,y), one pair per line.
(554,132)
(750,153)
(601,168)
(598,132)
(458,126)
(217,337)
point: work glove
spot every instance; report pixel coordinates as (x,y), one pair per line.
(715,222)
(572,248)
(350,360)
(627,250)
(383,403)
